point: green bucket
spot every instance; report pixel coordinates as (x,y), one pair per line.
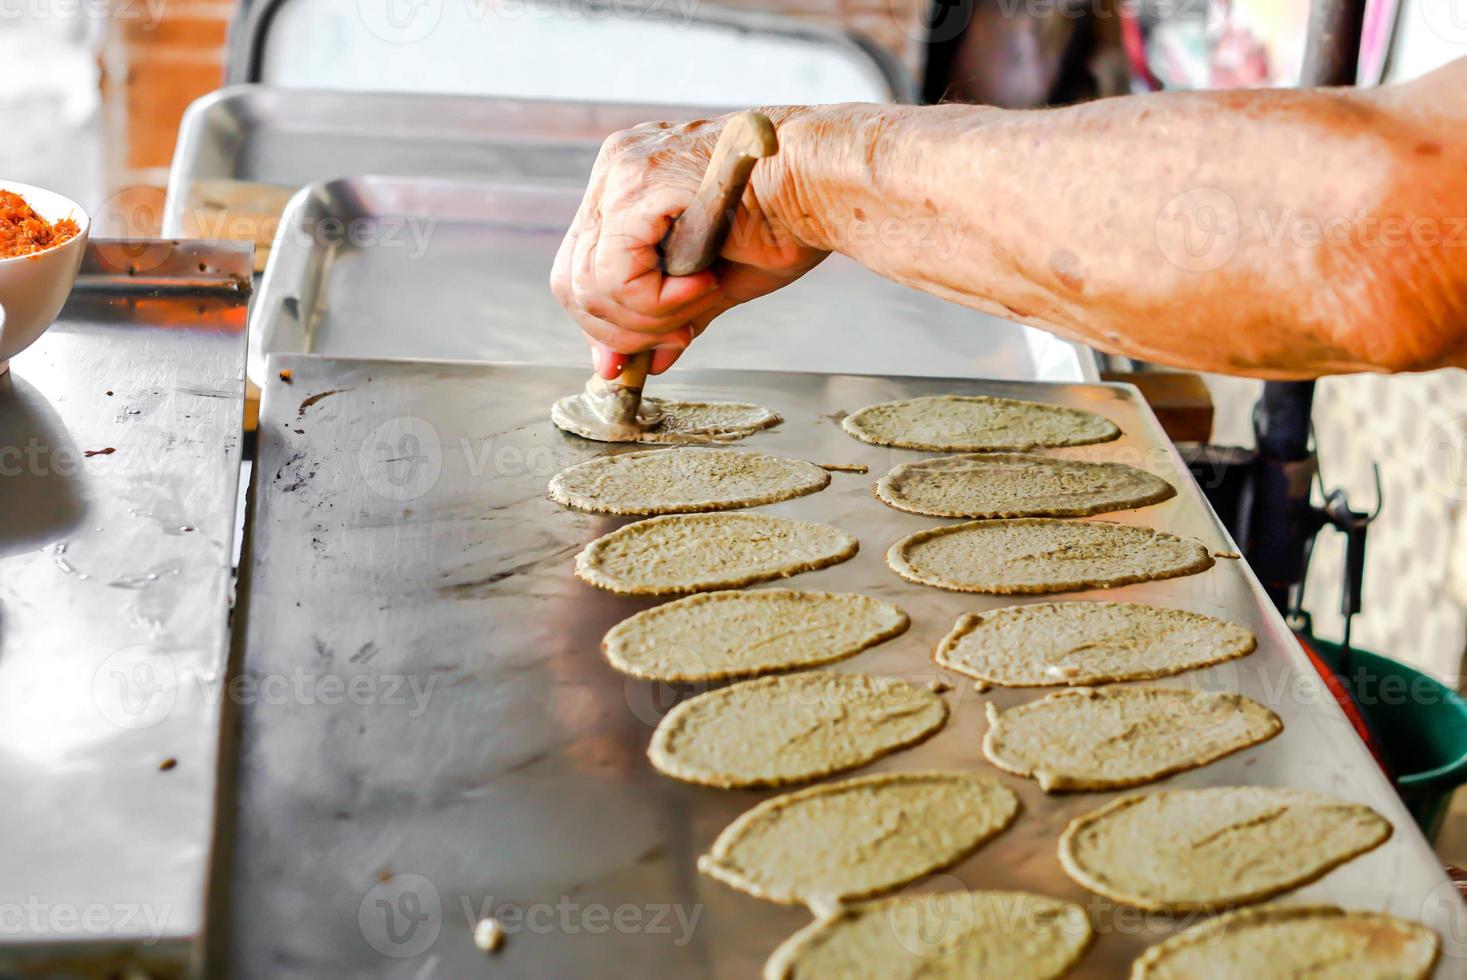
(1419,725)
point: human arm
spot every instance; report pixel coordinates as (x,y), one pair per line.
(1276,233)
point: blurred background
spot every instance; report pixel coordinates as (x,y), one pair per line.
(95,90)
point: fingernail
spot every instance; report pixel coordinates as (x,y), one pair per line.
(600,357)
(664,359)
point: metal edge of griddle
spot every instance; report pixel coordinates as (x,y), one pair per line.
(216,127)
(1286,642)
(1404,833)
(251,23)
(211,949)
(159,267)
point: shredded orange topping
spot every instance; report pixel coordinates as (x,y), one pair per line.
(23,232)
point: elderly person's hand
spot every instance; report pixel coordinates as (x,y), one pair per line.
(607,272)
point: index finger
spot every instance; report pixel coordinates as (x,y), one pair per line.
(628,264)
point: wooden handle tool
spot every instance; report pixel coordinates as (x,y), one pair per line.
(697,235)
(690,245)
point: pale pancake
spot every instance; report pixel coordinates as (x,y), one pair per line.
(859,837)
(720,635)
(1211,848)
(942,936)
(1017,485)
(682,553)
(1279,942)
(775,731)
(679,422)
(976,423)
(1109,737)
(684,481)
(1054,644)
(1040,554)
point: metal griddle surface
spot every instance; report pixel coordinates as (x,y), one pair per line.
(403,545)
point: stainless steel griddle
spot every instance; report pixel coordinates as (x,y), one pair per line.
(403,547)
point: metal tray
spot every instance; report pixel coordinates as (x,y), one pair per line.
(336,30)
(257,134)
(403,533)
(120,436)
(458,270)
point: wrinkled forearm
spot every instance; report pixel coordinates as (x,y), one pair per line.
(1272,233)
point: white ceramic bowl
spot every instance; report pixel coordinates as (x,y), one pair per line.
(33,288)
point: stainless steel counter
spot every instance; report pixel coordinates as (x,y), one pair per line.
(442,739)
(119,460)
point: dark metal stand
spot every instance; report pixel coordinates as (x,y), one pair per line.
(1282,523)
(1279,529)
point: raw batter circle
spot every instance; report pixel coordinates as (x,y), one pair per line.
(682,553)
(1041,554)
(1294,941)
(720,635)
(680,421)
(684,480)
(1017,485)
(939,936)
(976,423)
(856,838)
(1054,644)
(1206,849)
(1111,737)
(792,728)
